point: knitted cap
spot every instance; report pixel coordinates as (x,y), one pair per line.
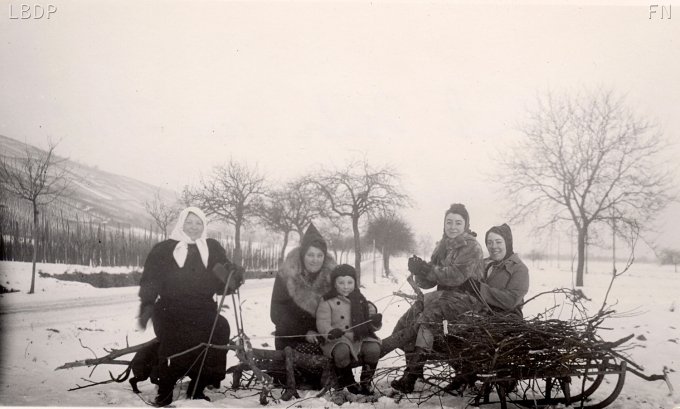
(504,231)
(343,270)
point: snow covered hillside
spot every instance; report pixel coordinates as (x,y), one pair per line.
(66,321)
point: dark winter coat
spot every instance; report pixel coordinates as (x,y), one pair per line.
(184,308)
(505,284)
(295,298)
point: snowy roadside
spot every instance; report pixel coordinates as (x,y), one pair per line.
(42,331)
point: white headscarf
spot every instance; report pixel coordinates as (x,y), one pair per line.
(182,247)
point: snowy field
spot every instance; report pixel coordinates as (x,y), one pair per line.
(66,321)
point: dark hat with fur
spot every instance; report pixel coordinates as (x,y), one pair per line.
(312,238)
(504,231)
(459,209)
(343,270)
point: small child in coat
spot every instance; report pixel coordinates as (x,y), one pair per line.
(349,323)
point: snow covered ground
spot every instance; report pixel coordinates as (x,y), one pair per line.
(67,321)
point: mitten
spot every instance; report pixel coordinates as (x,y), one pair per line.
(335,333)
(237,278)
(145,313)
(221,272)
(376,319)
(471,286)
(413,264)
(422,268)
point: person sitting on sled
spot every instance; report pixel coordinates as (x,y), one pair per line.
(349,323)
(506,277)
(456,262)
(299,287)
(181,276)
(504,284)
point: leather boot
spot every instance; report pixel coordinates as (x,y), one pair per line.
(199,394)
(345,377)
(164,397)
(414,370)
(367,373)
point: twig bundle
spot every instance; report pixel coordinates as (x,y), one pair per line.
(502,345)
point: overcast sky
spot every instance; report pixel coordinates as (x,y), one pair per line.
(162,91)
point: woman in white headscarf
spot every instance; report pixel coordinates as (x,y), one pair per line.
(180,279)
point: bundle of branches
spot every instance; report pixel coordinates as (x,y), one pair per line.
(502,345)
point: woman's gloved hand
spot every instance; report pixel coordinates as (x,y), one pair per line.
(145,313)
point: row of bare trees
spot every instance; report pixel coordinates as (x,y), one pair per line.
(584,159)
(240,195)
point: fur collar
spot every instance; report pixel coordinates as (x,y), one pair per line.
(306,295)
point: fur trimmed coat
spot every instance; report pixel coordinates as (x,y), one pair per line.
(463,259)
(336,312)
(505,285)
(295,298)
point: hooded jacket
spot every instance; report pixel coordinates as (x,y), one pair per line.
(505,284)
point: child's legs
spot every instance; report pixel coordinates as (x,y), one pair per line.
(342,356)
(370,352)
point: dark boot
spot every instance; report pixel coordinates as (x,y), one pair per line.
(199,394)
(165,391)
(414,370)
(367,373)
(345,378)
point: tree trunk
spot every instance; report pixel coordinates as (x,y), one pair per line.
(237,243)
(386,263)
(357,248)
(34,233)
(283,247)
(581,244)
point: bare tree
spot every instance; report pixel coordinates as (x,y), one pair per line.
(425,244)
(338,240)
(306,205)
(392,236)
(231,194)
(535,255)
(357,190)
(274,214)
(161,212)
(585,158)
(291,208)
(38,177)
(670,256)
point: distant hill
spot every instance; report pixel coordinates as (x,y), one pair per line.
(101,195)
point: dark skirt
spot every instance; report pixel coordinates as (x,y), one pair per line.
(181,327)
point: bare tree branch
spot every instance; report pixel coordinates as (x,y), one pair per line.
(38,177)
(585,158)
(358,189)
(231,194)
(161,212)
